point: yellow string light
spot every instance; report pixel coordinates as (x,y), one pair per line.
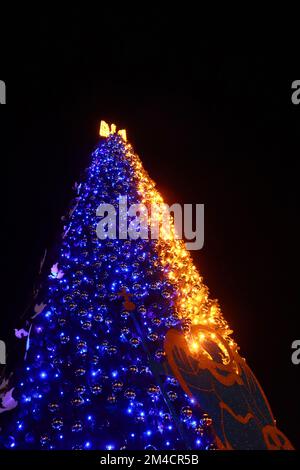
(193,302)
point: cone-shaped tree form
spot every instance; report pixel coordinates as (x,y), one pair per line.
(127,351)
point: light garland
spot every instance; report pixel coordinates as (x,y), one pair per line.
(193,302)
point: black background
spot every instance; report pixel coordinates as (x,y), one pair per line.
(212,119)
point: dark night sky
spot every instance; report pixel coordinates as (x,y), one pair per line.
(213,122)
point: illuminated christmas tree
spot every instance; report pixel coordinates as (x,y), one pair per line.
(125,349)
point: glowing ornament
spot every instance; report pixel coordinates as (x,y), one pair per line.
(64,339)
(153,337)
(86,325)
(160,354)
(98,317)
(186,413)
(133,369)
(80,371)
(80,388)
(44,439)
(206,420)
(77,426)
(96,389)
(130,394)
(77,401)
(135,342)
(117,385)
(140,418)
(53,407)
(112,350)
(112,399)
(57,423)
(172,395)
(199,430)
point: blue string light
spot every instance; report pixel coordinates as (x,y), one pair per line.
(88,381)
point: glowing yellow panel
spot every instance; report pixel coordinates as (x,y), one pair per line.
(104,129)
(122,133)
